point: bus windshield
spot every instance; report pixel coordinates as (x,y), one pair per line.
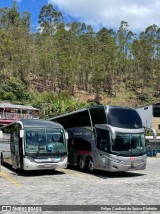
(129,144)
(44,140)
(124,118)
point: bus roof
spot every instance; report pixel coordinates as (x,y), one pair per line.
(36,123)
(62,115)
(90,107)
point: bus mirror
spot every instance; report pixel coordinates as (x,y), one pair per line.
(66,135)
(112,130)
(21,133)
(1,134)
(113,135)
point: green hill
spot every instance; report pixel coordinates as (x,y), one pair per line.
(69,64)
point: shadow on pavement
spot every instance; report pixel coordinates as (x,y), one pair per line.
(97,173)
(32,172)
(105,174)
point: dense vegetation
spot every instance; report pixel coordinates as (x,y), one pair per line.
(46,67)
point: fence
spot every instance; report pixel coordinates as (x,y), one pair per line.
(16,116)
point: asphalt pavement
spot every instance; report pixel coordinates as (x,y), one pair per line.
(71,187)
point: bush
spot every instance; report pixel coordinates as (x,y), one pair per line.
(8,96)
(14,89)
(53,104)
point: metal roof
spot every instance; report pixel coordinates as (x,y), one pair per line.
(13,106)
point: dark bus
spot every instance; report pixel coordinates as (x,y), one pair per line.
(34,145)
(108,138)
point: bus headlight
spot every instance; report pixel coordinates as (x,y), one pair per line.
(62,158)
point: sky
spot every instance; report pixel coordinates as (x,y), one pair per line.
(99,13)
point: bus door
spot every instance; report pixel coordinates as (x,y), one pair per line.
(71,151)
(20,155)
(14,149)
(103,147)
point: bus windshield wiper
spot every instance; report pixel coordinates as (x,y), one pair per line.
(39,148)
(123,153)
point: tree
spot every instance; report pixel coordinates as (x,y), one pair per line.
(14,90)
(49,18)
(9,18)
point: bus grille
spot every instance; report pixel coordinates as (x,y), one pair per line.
(47,166)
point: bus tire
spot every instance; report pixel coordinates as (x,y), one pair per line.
(90,165)
(80,163)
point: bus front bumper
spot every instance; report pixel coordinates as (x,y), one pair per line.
(128,165)
(30,165)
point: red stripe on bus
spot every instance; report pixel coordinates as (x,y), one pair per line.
(84,152)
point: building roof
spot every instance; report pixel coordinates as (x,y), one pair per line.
(13,106)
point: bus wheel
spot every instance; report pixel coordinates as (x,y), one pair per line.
(80,163)
(90,165)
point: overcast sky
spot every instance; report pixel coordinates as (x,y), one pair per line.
(99,13)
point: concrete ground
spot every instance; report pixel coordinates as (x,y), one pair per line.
(71,187)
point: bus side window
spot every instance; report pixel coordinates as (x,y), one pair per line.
(103,144)
(71,144)
(103,140)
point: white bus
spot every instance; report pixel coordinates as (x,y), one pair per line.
(34,145)
(105,137)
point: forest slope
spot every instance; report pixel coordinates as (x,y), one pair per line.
(108,67)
